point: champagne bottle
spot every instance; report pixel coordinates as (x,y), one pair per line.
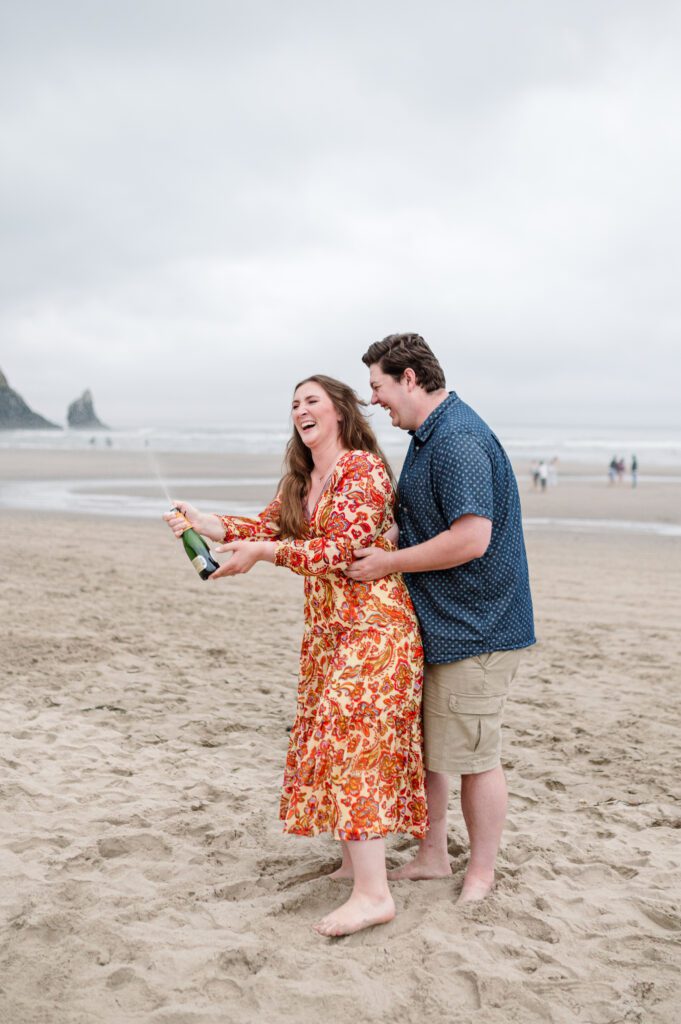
(198,551)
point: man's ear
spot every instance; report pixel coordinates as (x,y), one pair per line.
(409,377)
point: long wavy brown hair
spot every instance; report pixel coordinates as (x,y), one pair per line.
(355,433)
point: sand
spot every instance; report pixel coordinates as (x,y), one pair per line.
(144,875)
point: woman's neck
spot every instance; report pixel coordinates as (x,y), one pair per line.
(325,458)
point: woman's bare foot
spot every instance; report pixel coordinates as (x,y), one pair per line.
(344,872)
(476,887)
(357,913)
(422,869)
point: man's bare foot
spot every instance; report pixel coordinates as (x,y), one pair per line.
(475,888)
(344,872)
(422,869)
(357,913)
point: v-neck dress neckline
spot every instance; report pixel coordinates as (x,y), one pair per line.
(309,516)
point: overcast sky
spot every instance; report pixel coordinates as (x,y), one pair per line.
(204,202)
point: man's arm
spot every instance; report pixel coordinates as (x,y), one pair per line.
(467,538)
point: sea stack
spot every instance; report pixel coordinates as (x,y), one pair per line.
(81,414)
(16,415)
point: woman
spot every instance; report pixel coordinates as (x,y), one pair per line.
(354,764)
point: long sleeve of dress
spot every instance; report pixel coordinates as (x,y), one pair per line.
(360,510)
(262,527)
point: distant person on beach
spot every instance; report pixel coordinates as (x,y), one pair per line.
(543,474)
(634,471)
(535,474)
(354,767)
(462,550)
(612,470)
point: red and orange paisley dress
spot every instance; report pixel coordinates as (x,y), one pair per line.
(354,766)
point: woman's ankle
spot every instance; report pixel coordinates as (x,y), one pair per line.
(375,894)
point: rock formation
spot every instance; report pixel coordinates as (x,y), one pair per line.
(16,415)
(81,414)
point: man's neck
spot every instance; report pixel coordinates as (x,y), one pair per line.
(428,403)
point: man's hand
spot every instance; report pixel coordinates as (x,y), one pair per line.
(371,564)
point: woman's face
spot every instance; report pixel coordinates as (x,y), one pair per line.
(314,415)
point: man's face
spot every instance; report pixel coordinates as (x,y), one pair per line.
(392,395)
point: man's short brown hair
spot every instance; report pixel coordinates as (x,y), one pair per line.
(399,352)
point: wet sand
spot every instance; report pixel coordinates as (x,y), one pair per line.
(143,724)
(118,472)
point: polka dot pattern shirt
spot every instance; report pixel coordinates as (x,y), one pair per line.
(456,466)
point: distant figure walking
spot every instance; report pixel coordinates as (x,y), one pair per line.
(612,470)
(535,474)
(634,471)
(621,468)
(543,474)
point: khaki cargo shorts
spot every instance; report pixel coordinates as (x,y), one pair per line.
(463,703)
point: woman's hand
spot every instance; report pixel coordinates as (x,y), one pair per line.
(245,553)
(182,516)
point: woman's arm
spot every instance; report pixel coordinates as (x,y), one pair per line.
(244,555)
(262,527)
(183,514)
(360,510)
(361,505)
(224,528)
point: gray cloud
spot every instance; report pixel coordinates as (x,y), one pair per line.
(201,206)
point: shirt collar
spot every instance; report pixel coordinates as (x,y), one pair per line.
(425,430)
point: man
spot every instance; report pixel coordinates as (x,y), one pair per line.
(462,551)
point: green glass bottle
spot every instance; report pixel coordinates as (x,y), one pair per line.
(198,552)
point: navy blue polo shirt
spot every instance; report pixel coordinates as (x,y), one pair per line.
(456,466)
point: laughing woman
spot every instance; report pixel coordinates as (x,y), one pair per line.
(354,766)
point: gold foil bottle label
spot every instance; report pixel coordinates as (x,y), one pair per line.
(199,563)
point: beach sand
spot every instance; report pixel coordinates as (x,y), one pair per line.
(144,875)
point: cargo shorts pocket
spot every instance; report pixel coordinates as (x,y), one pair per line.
(479,718)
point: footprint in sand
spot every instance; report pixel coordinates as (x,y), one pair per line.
(132,992)
(304,876)
(660,916)
(141,842)
(535,928)
(240,964)
(234,892)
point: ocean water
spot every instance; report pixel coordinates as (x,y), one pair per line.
(592,447)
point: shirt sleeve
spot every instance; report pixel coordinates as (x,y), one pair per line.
(462,479)
(262,527)
(360,511)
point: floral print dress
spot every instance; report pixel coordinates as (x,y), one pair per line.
(354,766)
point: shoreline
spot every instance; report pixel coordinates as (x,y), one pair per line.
(122,484)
